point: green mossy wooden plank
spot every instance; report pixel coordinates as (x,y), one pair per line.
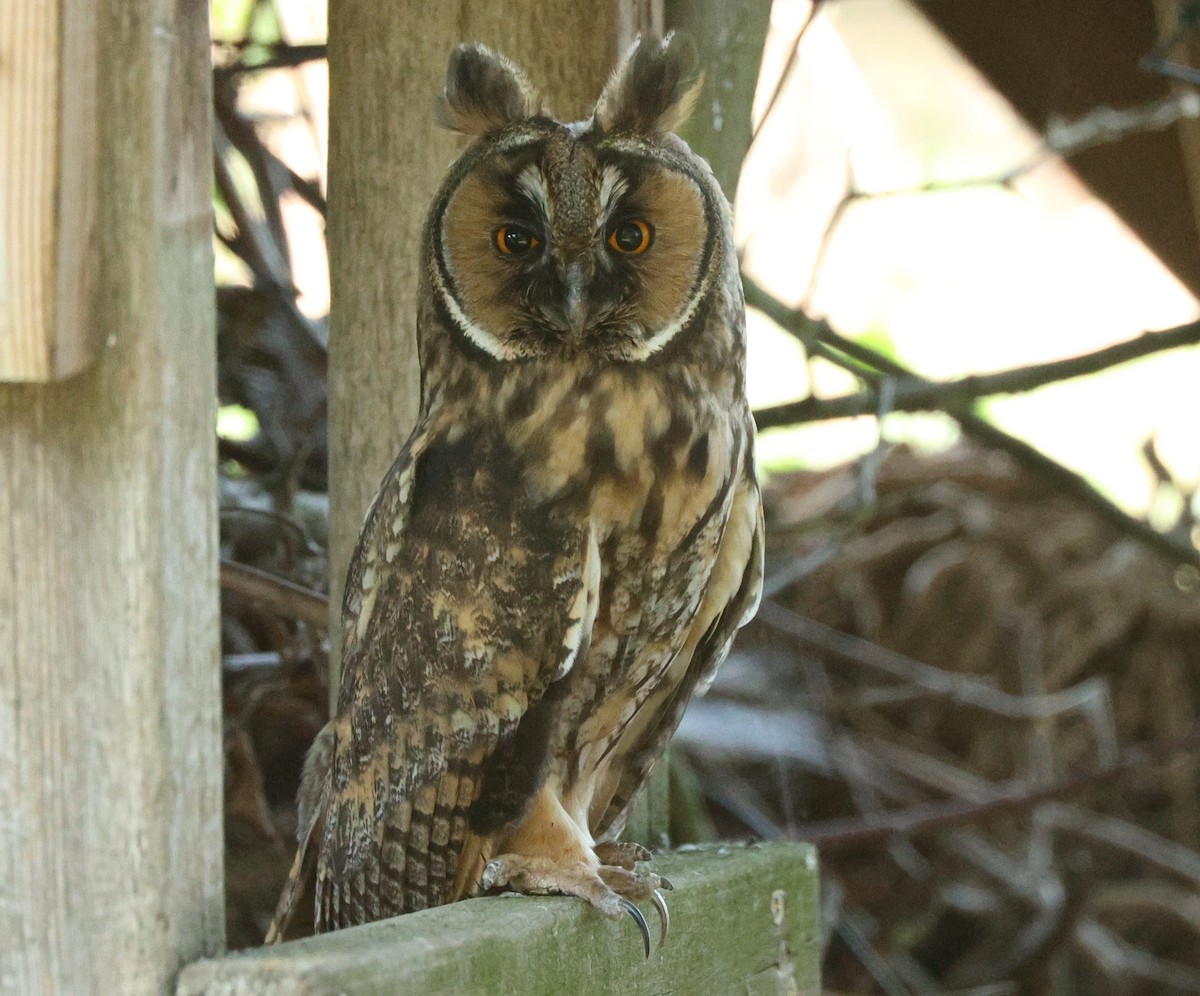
(744,920)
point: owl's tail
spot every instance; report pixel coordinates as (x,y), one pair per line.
(298,874)
(314,796)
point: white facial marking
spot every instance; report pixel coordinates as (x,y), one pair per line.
(472,330)
(612,188)
(649,347)
(533,185)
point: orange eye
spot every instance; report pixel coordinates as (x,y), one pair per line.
(512,240)
(631,237)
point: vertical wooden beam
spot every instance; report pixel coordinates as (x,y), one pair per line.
(730,35)
(110,764)
(48,176)
(386,159)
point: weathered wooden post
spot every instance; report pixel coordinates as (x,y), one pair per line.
(110,763)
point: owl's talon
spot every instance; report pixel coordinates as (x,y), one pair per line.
(631,908)
(664,914)
(665,883)
(495,873)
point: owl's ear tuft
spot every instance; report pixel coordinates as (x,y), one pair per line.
(653,89)
(484,92)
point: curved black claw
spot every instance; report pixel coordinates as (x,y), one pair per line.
(660,904)
(629,907)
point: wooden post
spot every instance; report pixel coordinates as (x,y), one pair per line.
(48,176)
(110,763)
(387,60)
(743,920)
(730,35)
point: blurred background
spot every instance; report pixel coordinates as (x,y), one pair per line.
(975,678)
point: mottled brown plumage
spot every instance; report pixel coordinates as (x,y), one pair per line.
(567,543)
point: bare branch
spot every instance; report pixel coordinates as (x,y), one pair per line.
(1007,799)
(870,365)
(1109,124)
(280,595)
(915,396)
(272,57)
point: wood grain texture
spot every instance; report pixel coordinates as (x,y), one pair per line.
(48,176)
(386,159)
(110,763)
(744,919)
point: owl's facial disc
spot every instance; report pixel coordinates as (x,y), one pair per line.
(573,244)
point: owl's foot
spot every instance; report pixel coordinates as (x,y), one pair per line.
(609,888)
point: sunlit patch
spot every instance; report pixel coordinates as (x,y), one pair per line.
(996,269)
(236,423)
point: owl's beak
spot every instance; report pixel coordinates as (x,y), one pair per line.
(575,309)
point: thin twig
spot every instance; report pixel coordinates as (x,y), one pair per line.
(232,130)
(256,241)
(260,242)
(1171,548)
(1170,856)
(1105,125)
(789,66)
(1063,138)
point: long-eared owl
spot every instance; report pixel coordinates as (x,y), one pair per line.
(564,548)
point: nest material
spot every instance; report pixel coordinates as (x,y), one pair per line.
(976,661)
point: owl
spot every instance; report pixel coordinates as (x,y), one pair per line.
(567,543)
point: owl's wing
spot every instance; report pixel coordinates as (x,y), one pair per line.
(464,604)
(730,601)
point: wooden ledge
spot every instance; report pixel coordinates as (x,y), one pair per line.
(743,920)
